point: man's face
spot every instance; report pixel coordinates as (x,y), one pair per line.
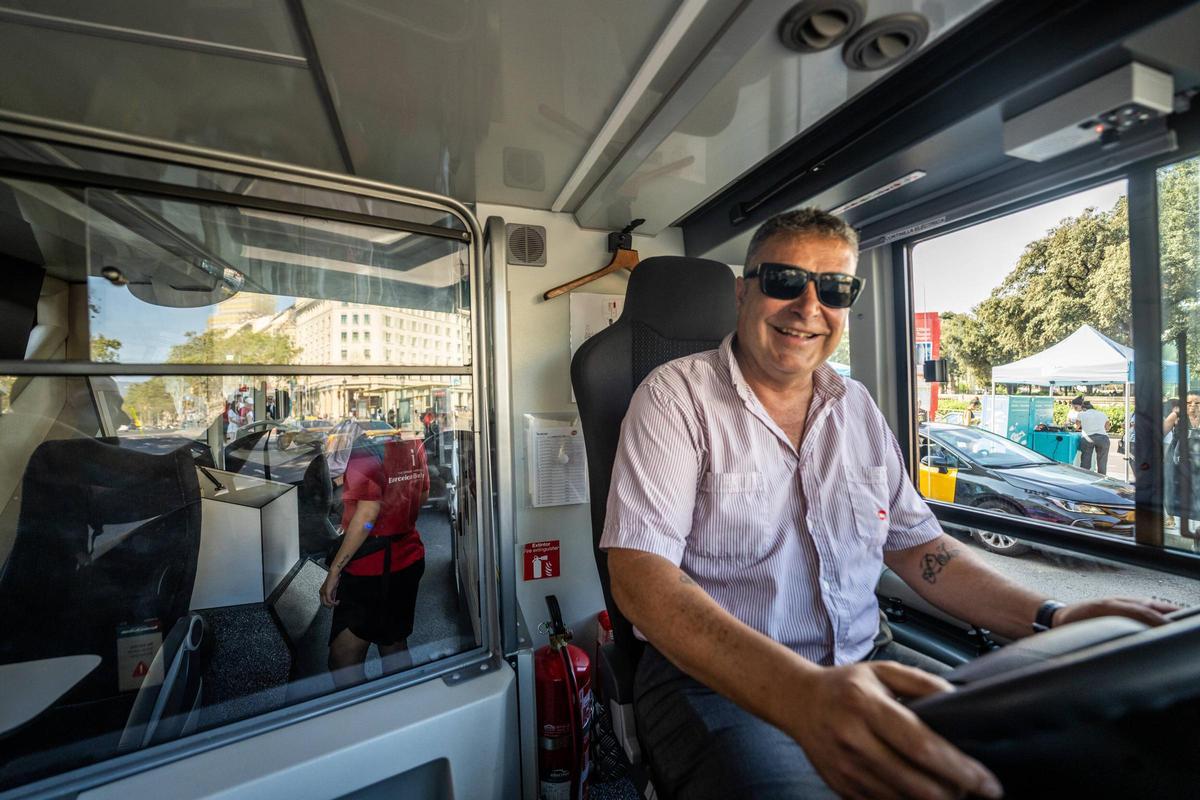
(1193,410)
(786,339)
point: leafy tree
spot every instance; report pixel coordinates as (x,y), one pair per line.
(149,401)
(105,349)
(241,347)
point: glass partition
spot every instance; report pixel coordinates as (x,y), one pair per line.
(167,537)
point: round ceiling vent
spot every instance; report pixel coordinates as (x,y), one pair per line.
(885,42)
(816,25)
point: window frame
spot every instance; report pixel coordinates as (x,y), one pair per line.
(1147,550)
(488,654)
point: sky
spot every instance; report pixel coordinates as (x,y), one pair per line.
(146,331)
(957,271)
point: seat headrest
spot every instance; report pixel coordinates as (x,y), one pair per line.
(659,290)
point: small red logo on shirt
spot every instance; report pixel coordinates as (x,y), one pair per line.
(881,514)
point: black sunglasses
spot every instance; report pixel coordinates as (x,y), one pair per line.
(787,282)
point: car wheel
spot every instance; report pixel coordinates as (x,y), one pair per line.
(998,542)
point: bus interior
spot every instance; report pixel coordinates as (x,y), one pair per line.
(231,229)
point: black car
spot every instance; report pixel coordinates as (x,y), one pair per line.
(974,467)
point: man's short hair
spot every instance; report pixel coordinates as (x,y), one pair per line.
(801,222)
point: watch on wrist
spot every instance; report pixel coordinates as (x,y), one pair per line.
(1044,618)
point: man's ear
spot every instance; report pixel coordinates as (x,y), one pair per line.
(739,290)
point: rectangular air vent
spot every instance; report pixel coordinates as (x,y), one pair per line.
(526,245)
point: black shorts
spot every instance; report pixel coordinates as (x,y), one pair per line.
(377,608)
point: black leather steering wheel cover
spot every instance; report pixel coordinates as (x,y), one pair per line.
(1121,718)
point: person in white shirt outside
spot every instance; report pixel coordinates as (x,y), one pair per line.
(1093,425)
(1073,414)
(755,496)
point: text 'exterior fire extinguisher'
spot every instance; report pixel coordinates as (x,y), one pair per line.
(563,675)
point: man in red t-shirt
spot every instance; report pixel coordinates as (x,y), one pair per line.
(374,596)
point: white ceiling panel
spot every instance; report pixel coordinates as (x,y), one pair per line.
(768,97)
(494,100)
(184,95)
(253,24)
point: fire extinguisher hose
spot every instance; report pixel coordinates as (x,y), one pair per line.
(576,716)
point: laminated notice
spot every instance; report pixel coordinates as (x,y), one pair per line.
(137,645)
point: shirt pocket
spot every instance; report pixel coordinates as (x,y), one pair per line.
(867,491)
(730,522)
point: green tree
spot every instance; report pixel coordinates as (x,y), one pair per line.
(149,401)
(1077,274)
(1179,245)
(242,347)
(105,349)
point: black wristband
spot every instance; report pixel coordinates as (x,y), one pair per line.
(1043,620)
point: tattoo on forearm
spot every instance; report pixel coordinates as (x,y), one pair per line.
(343,561)
(933,563)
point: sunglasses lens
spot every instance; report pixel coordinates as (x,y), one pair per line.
(838,291)
(782,282)
(786,282)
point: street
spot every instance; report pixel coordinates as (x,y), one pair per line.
(1069,577)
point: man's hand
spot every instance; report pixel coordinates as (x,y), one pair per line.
(329,588)
(866,744)
(1143,610)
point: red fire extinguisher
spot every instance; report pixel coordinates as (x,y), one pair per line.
(563,674)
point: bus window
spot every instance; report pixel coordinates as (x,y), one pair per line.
(167,537)
(1179,263)
(1032,313)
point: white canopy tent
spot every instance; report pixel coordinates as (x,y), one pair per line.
(1086,357)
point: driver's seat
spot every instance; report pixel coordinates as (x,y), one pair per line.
(674,307)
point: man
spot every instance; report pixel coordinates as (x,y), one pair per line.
(755,497)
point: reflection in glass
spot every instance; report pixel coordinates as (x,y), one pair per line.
(1179,264)
(239,475)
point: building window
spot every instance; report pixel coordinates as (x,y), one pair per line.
(367,353)
(387,337)
(366,319)
(387,355)
(343,319)
(345,354)
(343,336)
(356,336)
(366,336)
(356,319)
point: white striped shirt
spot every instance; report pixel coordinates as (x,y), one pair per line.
(791,543)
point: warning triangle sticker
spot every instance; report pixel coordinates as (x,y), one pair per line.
(140,670)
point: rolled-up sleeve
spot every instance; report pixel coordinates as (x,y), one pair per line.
(652,496)
(912,522)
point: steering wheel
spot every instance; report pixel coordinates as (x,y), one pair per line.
(1105,707)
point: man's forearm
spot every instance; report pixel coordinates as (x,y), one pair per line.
(703,639)
(949,576)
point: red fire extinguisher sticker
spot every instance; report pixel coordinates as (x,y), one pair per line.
(541,560)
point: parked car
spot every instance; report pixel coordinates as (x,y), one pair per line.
(978,468)
(379,430)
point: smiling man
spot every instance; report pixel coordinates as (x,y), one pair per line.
(755,497)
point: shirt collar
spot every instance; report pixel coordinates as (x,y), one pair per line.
(827,384)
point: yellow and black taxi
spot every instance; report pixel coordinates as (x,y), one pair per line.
(975,467)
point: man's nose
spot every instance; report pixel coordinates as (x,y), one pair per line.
(807,304)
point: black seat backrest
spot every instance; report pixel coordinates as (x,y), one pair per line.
(107,535)
(674,307)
